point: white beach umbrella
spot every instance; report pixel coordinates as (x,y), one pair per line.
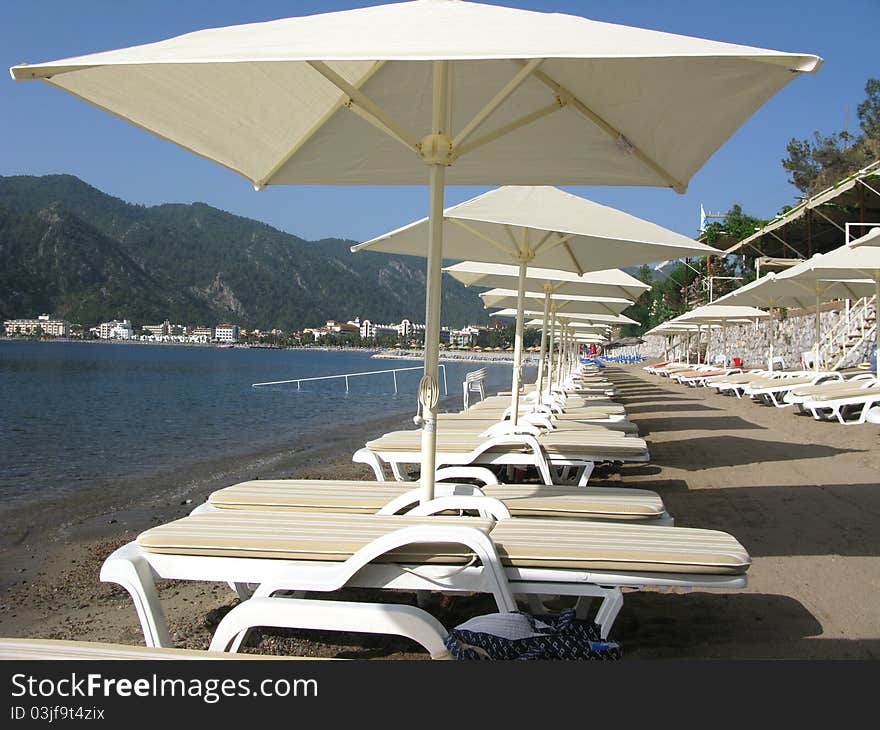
(772,291)
(608,282)
(860,258)
(723,314)
(476,94)
(569,303)
(542,226)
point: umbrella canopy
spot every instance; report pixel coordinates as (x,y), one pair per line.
(861,258)
(722,313)
(474,93)
(604,319)
(567,303)
(606,283)
(546,227)
(539,323)
(274,99)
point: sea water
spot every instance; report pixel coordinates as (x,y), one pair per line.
(75,412)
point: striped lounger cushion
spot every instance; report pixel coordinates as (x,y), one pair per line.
(369,497)
(521,542)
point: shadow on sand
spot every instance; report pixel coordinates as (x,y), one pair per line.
(684,423)
(710,452)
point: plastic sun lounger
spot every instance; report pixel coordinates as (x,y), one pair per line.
(281,552)
(773,390)
(543,422)
(736,384)
(362,497)
(843,406)
(575,458)
(827,390)
(698,377)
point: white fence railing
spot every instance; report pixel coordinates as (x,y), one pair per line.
(393,372)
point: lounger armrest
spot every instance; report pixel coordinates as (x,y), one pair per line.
(486,506)
(408,499)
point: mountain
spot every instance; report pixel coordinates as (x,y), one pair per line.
(73,251)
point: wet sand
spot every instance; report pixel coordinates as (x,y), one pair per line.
(802,496)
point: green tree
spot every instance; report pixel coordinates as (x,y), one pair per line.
(821,162)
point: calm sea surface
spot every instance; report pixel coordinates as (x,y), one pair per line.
(71,413)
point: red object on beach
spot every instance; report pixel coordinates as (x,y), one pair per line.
(737,362)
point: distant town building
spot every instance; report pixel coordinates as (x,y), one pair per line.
(200,334)
(43,324)
(227,333)
(114,330)
(343,329)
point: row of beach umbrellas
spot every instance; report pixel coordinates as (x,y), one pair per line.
(447,92)
(851,271)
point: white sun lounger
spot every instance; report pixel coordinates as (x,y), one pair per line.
(772,390)
(521,500)
(289,551)
(852,407)
(558,458)
(830,389)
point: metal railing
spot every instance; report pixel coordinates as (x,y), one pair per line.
(393,372)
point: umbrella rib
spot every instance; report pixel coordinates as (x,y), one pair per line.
(566,97)
(577,265)
(365,107)
(496,101)
(480,234)
(506,129)
(341,102)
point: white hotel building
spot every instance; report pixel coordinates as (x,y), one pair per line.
(227,333)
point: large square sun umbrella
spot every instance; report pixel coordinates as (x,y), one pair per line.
(541,226)
(861,258)
(720,314)
(773,291)
(436,91)
(608,282)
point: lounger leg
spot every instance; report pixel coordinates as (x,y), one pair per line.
(587,473)
(365,456)
(368,618)
(399,476)
(127,568)
(608,611)
(243,590)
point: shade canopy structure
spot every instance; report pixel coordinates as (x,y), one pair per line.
(605,283)
(435,91)
(861,258)
(871,238)
(569,303)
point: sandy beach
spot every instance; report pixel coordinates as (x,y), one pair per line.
(802,496)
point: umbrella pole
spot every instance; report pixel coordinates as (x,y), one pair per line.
(518,342)
(437,177)
(818,332)
(723,343)
(541,360)
(877,324)
(772,335)
(551,363)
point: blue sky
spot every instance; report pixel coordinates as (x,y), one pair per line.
(45,131)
